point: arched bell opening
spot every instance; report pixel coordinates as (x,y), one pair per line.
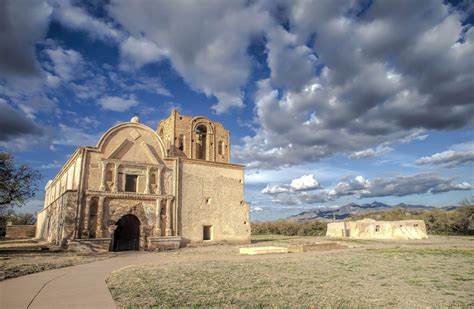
(201,143)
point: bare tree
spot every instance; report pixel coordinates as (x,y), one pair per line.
(18,184)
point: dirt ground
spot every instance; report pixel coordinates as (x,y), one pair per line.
(434,272)
(23,257)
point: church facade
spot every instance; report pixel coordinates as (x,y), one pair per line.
(145,189)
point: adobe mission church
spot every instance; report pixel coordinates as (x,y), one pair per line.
(141,189)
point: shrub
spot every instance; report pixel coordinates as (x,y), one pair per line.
(457,221)
(290,228)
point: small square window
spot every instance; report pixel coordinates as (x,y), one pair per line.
(207,232)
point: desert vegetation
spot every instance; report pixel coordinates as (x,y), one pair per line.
(439,221)
(23,262)
(290,228)
(457,221)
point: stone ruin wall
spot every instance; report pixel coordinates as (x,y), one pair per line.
(371,229)
(20,231)
(177,125)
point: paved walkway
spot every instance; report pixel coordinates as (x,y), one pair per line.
(81,286)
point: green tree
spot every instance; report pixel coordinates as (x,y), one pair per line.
(18,183)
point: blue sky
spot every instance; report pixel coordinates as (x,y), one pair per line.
(327,103)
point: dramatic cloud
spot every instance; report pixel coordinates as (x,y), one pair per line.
(299,63)
(370,152)
(449,158)
(397,186)
(118,104)
(136,53)
(305,183)
(295,192)
(66,64)
(360,187)
(77,18)
(22,25)
(13,123)
(273,190)
(377,80)
(357,185)
(36,104)
(206,41)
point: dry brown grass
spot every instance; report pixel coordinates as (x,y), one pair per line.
(24,263)
(393,274)
(23,257)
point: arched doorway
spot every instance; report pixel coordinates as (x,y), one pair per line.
(127,234)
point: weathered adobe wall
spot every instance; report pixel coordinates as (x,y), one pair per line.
(177,124)
(213,195)
(166,132)
(56,223)
(66,180)
(134,152)
(20,231)
(365,229)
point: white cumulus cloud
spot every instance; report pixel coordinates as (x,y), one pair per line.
(304,183)
(118,104)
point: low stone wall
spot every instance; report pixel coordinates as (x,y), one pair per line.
(89,245)
(20,231)
(164,243)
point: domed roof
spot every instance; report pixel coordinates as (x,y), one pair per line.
(135,119)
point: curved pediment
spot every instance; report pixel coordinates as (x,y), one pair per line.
(133,142)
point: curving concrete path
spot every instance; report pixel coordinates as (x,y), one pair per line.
(81,286)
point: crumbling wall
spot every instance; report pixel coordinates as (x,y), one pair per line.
(56,223)
(371,229)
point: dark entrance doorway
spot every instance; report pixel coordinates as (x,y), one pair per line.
(127,234)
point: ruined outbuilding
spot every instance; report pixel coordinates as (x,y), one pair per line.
(146,189)
(371,229)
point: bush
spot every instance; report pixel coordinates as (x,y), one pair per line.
(290,228)
(457,221)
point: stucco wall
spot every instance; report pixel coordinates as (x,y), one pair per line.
(56,223)
(371,229)
(213,195)
(66,179)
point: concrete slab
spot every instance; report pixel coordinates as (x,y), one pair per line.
(262,250)
(317,246)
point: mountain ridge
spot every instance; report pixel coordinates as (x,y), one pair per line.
(347,210)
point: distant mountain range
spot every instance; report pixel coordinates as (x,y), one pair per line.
(342,212)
